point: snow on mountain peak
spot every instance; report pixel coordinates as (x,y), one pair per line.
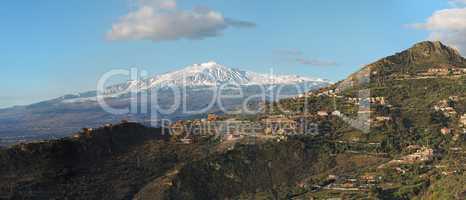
(206,68)
(209,74)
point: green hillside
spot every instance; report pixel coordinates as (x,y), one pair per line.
(399,134)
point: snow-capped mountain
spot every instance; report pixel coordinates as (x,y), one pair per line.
(64,115)
(211,74)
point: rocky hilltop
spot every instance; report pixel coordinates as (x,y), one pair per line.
(419,58)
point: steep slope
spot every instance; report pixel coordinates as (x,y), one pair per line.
(419,58)
(416,98)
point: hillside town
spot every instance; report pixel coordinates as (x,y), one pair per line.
(399,137)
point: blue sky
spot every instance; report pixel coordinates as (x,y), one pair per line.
(50,48)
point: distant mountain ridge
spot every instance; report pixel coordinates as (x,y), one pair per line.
(210,74)
(69,113)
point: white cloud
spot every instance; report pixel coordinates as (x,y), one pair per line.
(449,26)
(160,20)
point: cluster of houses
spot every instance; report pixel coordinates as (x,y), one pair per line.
(371,100)
(281,126)
(88,132)
(444,107)
(225,129)
(362,182)
(382,119)
(366,110)
(435,72)
(363,102)
(443,71)
(322,92)
(422,154)
(277,126)
(463,121)
(329,93)
(438,71)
